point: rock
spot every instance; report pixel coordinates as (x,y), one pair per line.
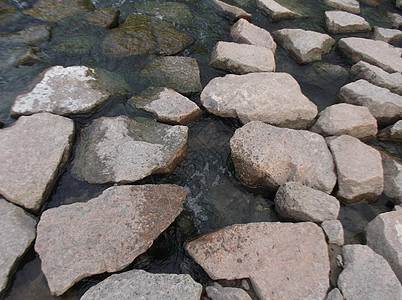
(138,284)
(344,22)
(379,77)
(167,106)
(392,132)
(343,118)
(30,36)
(16,236)
(123,150)
(335,294)
(373,2)
(276,11)
(229,11)
(352,6)
(386,34)
(106,18)
(217,292)
(177,72)
(104,234)
(242,58)
(246,33)
(140,34)
(359,168)
(385,106)
(305,46)
(77,45)
(177,13)
(282,260)
(274,98)
(334,231)
(264,155)
(367,275)
(13,57)
(33,153)
(398,3)
(398,208)
(392,178)
(296,202)
(396,19)
(378,53)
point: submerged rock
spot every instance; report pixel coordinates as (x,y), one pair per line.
(392,178)
(30,36)
(77,45)
(217,292)
(107,18)
(344,22)
(229,11)
(175,12)
(386,34)
(13,57)
(352,6)
(392,132)
(276,11)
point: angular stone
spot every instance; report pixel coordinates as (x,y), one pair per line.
(334,231)
(138,284)
(343,118)
(392,132)
(367,275)
(242,58)
(385,106)
(229,11)
(396,19)
(217,292)
(106,18)
(296,202)
(16,236)
(177,72)
(270,156)
(33,153)
(31,36)
(344,22)
(276,11)
(305,46)
(246,33)
(335,294)
(386,34)
(104,234)
(352,6)
(274,98)
(282,260)
(392,178)
(123,150)
(167,105)
(359,168)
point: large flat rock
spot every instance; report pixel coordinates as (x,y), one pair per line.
(273,98)
(265,155)
(104,234)
(344,22)
(123,150)
(282,260)
(275,11)
(33,153)
(352,6)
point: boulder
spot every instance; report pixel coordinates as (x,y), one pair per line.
(367,275)
(230,11)
(386,34)
(30,36)
(104,234)
(304,45)
(359,168)
(282,260)
(296,202)
(265,155)
(392,132)
(33,152)
(392,178)
(106,18)
(274,98)
(217,292)
(242,58)
(334,231)
(275,11)
(352,6)
(334,294)
(344,22)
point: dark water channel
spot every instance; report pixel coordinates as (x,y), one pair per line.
(216,198)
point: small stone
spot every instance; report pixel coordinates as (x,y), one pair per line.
(398,207)
(106,18)
(352,6)
(344,22)
(335,294)
(396,19)
(245,285)
(392,178)
(217,292)
(30,36)
(231,12)
(334,231)
(276,11)
(386,34)
(392,132)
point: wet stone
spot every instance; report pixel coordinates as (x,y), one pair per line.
(13,57)
(386,34)
(217,292)
(107,18)
(276,11)
(177,13)
(344,22)
(77,45)
(229,11)
(392,132)
(352,6)
(30,36)
(334,231)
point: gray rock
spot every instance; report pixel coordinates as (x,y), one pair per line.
(174,12)
(359,168)
(31,36)
(392,132)
(16,236)
(398,3)
(386,34)
(104,234)
(304,45)
(384,236)
(344,22)
(106,18)
(396,19)
(229,11)
(352,6)
(335,294)
(274,98)
(392,178)
(385,106)
(242,58)
(339,119)
(138,284)
(398,208)
(282,260)
(276,11)
(265,155)
(334,231)
(217,292)
(13,57)
(296,202)
(33,153)
(367,275)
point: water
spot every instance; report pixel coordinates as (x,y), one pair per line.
(216,198)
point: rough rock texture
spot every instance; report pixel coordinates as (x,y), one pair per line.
(386,34)
(392,132)
(352,6)
(334,231)
(392,178)
(104,234)
(384,236)
(385,106)
(270,156)
(33,153)
(378,53)
(167,105)
(335,294)
(396,19)
(16,235)
(276,11)
(304,45)
(367,275)
(359,168)
(274,98)
(217,292)
(138,284)
(246,33)
(347,119)
(242,58)
(344,22)
(140,34)
(174,12)
(107,18)
(122,150)
(379,77)
(296,202)
(177,72)
(31,36)
(282,260)
(229,11)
